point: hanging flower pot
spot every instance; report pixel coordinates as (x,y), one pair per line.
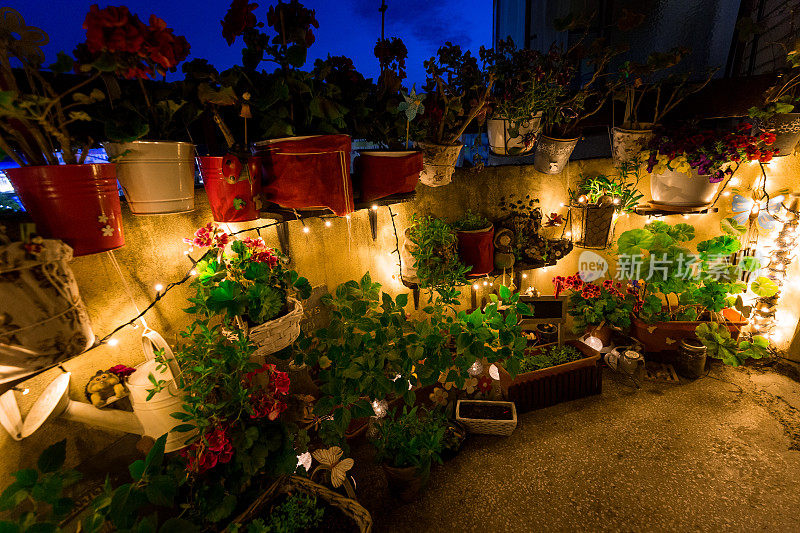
(382,173)
(439,163)
(156,177)
(233,188)
(275,335)
(44,319)
(594,225)
(476,249)
(553,154)
(78,204)
(501,140)
(786,127)
(679,189)
(627,143)
(308,172)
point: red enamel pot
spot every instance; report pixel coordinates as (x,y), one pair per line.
(233,187)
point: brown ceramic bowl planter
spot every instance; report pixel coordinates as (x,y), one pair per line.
(476,250)
(665,336)
(555,384)
(382,173)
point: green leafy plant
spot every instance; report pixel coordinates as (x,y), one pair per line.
(721,345)
(592,304)
(411,438)
(297,513)
(435,254)
(471,221)
(549,356)
(621,190)
(782,97)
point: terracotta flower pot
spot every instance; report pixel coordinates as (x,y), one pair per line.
(626,143)
(786,127)
(404,483)
(663,336)
(552,154)
(502,143)
(476,250)
(156,177)
(233,187)
(311,172)
(678,189)
(439,163)
(383,173)
(78,204)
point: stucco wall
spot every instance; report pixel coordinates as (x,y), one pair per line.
(327,256)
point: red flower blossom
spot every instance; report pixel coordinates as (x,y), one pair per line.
(485,384)
(239,18)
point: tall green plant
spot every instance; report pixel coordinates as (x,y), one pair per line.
(411,439)
(435,254)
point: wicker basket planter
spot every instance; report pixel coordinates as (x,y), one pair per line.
(556,384)
(277,334)
(293,484)
(487,426)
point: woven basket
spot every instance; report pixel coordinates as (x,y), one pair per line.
(290,484)
(275,335)
(488,427)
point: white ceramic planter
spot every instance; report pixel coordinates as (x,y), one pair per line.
(673,188)
(502,143)
(439,163)
(157,177)
(553,154)
(627,143)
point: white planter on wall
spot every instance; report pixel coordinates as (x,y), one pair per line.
(502,143)
(675,188)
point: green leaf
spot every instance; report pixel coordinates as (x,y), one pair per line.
(296,55)
(764,287)
(136,469)
(161,490)
(26,478)
(635,242)
(732,227)
(402,300)
(505,292)
(53,457)
(178,525)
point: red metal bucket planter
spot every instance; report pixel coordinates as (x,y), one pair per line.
(476,249)
(308,172)
(382,173)
(78,204)
(233,189)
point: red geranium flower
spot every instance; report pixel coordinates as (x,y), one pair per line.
(238,18)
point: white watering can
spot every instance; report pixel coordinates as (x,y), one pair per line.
(150,418)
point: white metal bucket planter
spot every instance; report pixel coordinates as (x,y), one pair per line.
(42,318)
(552,154)
(627,143)
(157,177)
(678,189)
(502,143)
(439,163)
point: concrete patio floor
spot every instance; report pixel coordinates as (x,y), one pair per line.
(721,453)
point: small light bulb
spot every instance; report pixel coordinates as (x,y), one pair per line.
(347,217)
(686,217)
(726,193)
(113,342)
(616,201)
(562,204)
(475,286)
(159,287)
(569,234)
(734,182)
(193,272)
(25,391)
(306,229)
(374,207)
(327,223)
(186,252)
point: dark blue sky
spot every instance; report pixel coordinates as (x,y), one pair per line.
(347,27)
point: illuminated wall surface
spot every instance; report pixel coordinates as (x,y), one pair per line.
(154,254)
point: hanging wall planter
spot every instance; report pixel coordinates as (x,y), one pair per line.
(382,173)
(501,141)
(233,187)
(310,172)
(45,319)
(156,177)
(439,163)
(594,225)
(275,335)
(476,249)
(678,189)
(552,154)
(78,204)
(786,127)
(626,143)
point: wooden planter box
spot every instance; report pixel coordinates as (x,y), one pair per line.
(665,336)
(556,384)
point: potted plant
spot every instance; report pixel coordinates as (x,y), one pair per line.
(157,175)
(551,374)
(75,202)
(595,307)
(562,120)
(392,168)
(640,82)
(520,95)
(598,201)
(677,291)
(46,320)
(488,417)
(250,285)
(431,253)
(687,165)
(475,236)
(777,113)
(456,94)
(407,444)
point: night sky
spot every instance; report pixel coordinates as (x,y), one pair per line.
(347,27)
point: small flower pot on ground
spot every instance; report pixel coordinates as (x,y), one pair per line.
(404,483)
(786,127)
(439,163)
(627,143)
(503,142)
(382,173)
(678,189)
(487,417)
(554,384)
(308,172)
(43,310)
(156,177)
(78,204)
(691,360)
(553,154)
(666,336)
(476,250)
(233,187)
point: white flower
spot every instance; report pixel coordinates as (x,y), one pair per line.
(108,231)
(102,219)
